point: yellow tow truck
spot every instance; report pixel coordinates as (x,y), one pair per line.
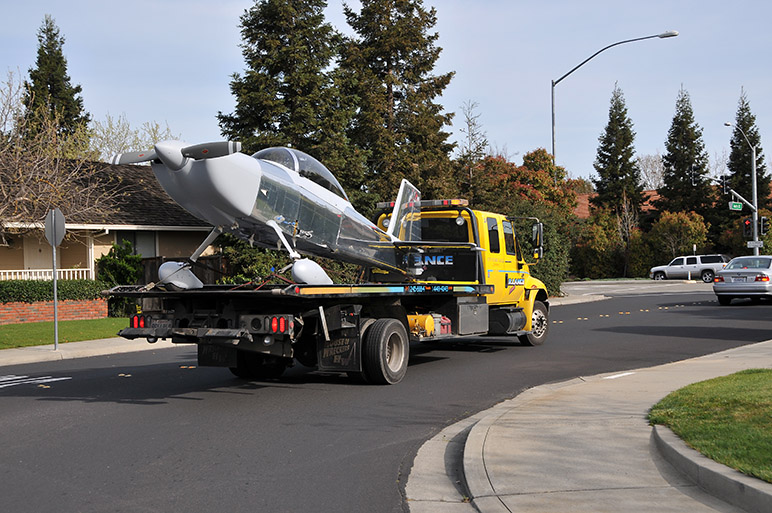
(468,277)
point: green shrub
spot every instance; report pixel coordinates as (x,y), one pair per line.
(31,291)
(120,266)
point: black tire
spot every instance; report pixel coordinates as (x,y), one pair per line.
(659,275)
(707,276)
(385,352)
(724,300)
(539,326)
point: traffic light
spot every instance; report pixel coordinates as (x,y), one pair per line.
(763,225)
(747,227)
(723,183)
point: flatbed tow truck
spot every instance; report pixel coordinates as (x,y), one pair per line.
(471,280)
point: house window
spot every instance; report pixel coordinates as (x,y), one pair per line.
(143,242)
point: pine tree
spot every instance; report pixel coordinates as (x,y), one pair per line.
(398,123)
(49,88)
(686,183)
(619,179)
(740,156)
(289,95)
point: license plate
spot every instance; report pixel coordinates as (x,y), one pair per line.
(165,324)
(738,279)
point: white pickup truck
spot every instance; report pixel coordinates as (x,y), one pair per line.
(690,267)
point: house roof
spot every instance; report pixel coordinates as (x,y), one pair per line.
(145,202)
(141,204)
(582,209)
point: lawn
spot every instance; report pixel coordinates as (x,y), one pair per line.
(41,333)
(728,419)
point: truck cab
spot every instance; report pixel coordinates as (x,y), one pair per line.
(519,302)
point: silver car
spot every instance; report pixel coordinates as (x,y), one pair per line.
(744,277)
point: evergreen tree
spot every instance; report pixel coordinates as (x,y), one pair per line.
(686,183)
(289,95)
(740,156)
(398,122)
(619,179)
(49,92)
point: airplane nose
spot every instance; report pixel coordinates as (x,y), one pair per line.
(170,153)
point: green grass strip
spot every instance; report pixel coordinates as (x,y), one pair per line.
(42,333)
(728,419)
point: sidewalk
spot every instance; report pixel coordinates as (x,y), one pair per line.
(34,354)
(585,446)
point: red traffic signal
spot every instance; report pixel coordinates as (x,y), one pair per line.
(747,227)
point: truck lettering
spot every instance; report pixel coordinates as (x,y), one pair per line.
(421,260)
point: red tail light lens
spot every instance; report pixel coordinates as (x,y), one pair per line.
(718,279)
(274,324)
(762,277)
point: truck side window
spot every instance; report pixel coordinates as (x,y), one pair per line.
(493,234)
(691,261)
(509,238)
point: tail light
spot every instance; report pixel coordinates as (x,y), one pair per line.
(762,277)
(718,279)
(279,325)
(139,321)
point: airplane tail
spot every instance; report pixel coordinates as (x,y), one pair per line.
(405,223)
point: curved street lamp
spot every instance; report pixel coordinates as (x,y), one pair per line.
(669,33)
(754,190)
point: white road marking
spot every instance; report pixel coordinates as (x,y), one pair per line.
(10,381)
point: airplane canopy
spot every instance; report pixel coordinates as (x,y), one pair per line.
(303,164)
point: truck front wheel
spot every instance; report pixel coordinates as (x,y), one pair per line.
(539,326)
(385,352)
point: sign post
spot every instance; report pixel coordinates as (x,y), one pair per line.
(54,235)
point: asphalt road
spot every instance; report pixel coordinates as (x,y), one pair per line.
(150,431)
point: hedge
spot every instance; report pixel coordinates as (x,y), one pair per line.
(31,291)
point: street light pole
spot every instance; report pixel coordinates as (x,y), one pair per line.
(754,189)
(670,33)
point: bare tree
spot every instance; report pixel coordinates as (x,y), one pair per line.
(115,135)
(627,223)
(652,170)
(45,168)
(717,165)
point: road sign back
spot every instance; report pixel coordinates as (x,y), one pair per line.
(54,227)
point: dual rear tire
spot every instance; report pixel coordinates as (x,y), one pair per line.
(385,352)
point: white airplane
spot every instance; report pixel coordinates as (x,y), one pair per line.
(278,196)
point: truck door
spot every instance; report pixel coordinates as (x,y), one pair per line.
(692,267)
(493,261)
(513,277)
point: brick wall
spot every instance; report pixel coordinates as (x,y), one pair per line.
(15,313)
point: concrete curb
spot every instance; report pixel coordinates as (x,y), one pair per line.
(751,494)
(572,300)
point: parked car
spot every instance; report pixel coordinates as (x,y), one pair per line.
(690,267)
(744,277)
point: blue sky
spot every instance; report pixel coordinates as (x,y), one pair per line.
(171,60)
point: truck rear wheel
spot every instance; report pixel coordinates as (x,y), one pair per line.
(539,326)
(385,352)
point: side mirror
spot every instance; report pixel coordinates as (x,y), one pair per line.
(537,237)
